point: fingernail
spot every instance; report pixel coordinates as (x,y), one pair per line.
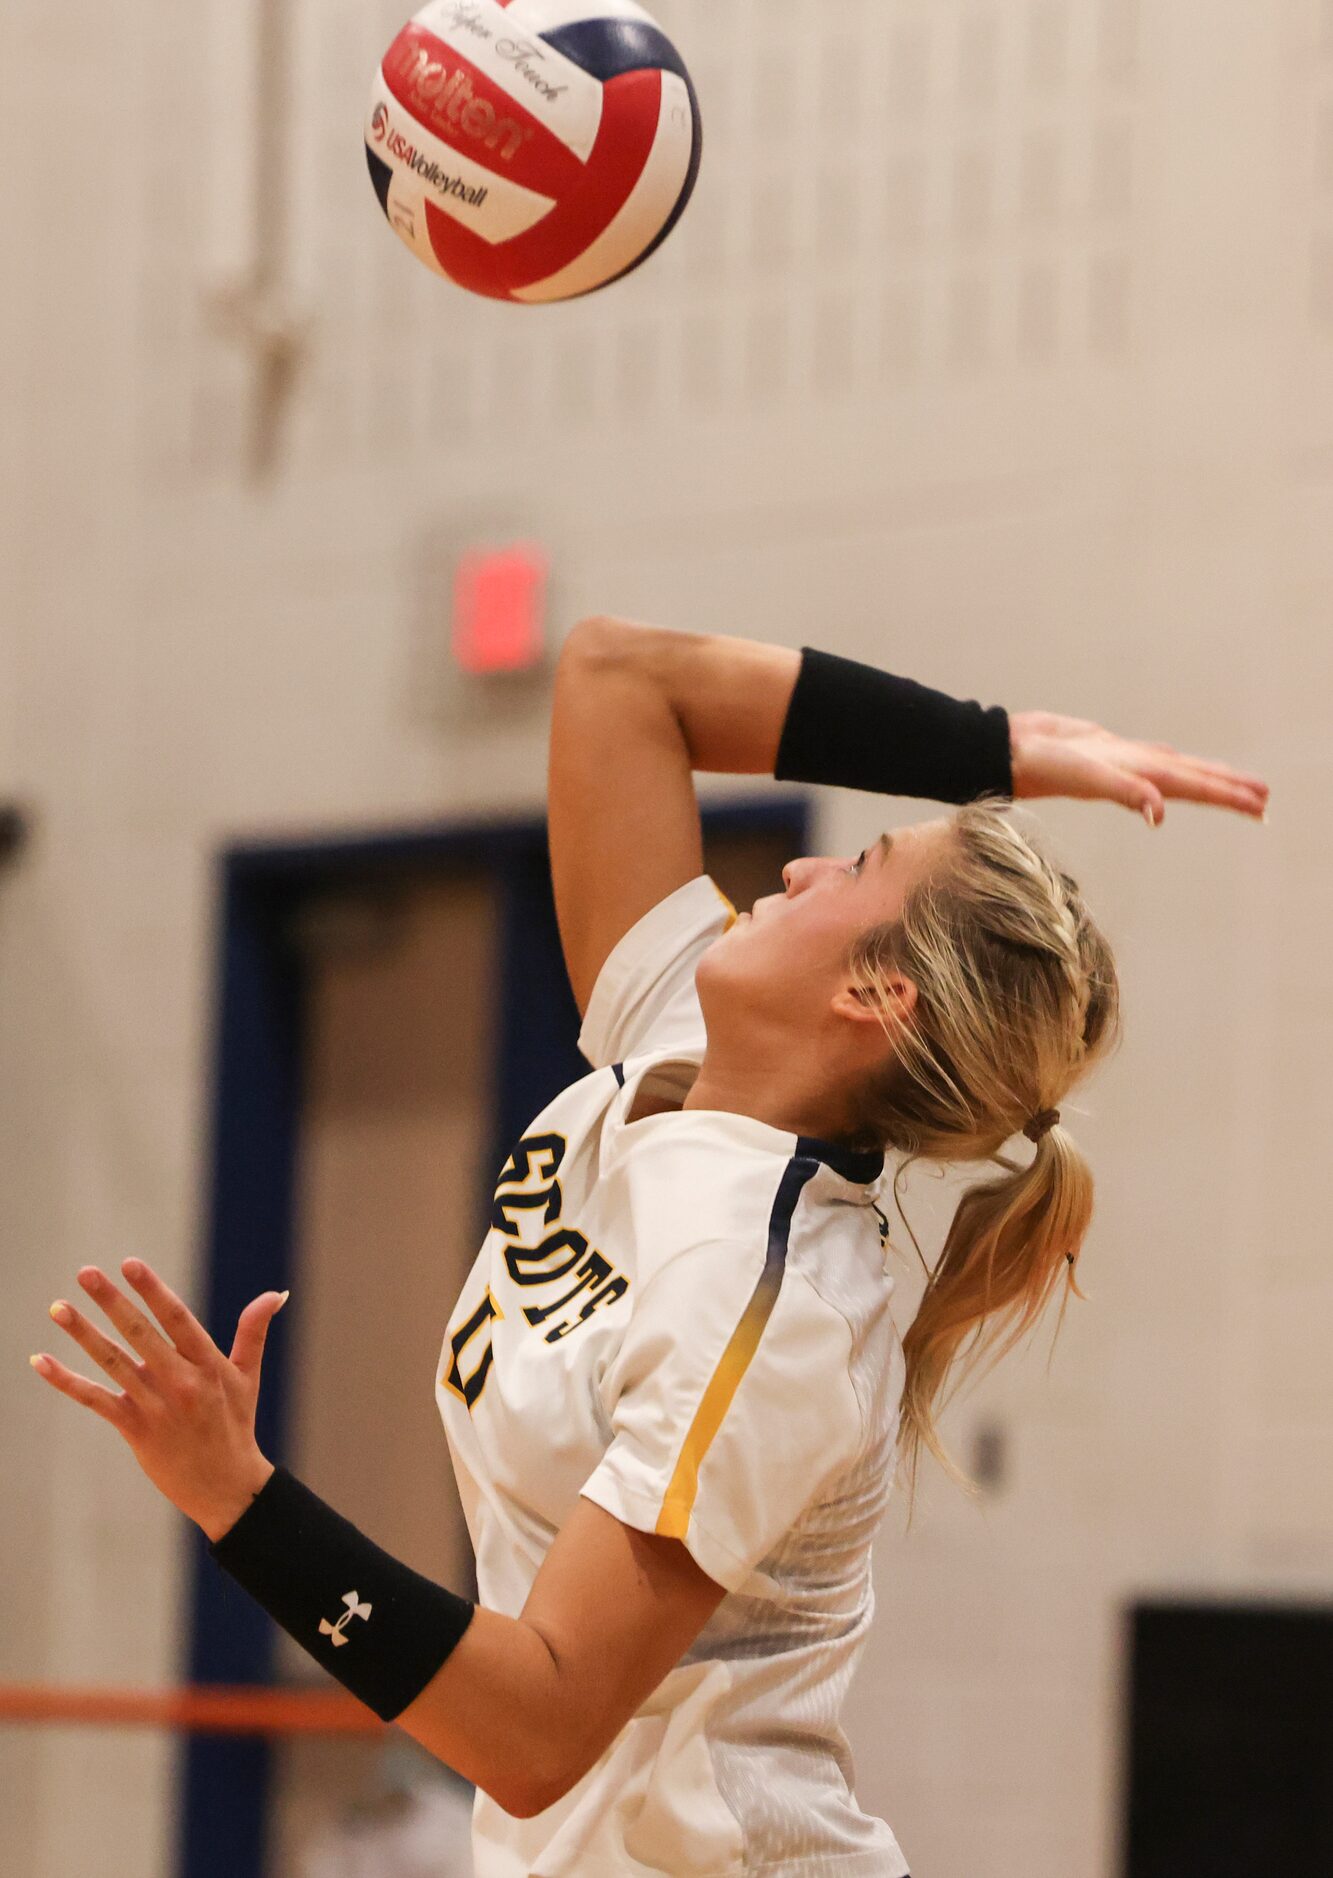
(61,1312)
(133,1268)
(39,1362)
(282,1300)
(1264,816)
(1147,815)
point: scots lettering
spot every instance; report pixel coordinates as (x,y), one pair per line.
(582,1279)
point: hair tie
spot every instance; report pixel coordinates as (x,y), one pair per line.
(1041,1124)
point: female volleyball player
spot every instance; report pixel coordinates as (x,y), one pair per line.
(672,1386)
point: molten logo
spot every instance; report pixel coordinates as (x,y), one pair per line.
(379,123)
(445,101)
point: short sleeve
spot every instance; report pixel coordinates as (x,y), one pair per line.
(731,1406)
(644,998)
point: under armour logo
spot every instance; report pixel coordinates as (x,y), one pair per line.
(355,1608)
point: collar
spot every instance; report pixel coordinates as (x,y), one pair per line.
(862,1167)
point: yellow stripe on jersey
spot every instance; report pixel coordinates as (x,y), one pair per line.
(673,1522)
(731,911)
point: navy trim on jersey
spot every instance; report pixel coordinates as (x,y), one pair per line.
(618,1071)
(677,1509)
(799,1169)
(607,49)
(861,1166)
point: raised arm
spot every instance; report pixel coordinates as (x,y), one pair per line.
(639,708)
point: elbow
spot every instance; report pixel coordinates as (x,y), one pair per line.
(525,1802)
(535,1788)
(592,626)
(523,1796)
(583,633)
(598,637)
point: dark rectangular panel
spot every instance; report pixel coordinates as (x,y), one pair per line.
(1231,1743)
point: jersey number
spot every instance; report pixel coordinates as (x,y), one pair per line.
(469,1390)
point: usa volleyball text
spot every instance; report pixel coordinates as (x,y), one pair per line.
(472,193)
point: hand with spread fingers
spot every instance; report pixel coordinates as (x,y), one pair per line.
(1054,755)
(186,1411)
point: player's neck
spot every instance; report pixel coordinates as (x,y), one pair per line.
(748,1089)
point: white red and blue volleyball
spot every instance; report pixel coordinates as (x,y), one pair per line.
(533,149)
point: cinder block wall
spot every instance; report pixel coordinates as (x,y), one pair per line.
(997,347)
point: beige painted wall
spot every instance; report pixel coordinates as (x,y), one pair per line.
(997,346)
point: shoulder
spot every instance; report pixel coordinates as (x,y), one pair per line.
(719,1311)
(644,996)
(686,1179)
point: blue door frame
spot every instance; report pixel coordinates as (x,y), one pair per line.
(249,1246)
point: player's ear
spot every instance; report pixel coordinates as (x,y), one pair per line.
(896,1001)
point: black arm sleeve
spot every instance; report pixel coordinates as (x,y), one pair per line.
(860,728)
(382,1629)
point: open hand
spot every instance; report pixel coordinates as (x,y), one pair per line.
(186,1411)
(1070,756)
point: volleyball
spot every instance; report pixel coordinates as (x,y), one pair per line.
(532,150)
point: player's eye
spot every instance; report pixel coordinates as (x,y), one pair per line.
(859,862)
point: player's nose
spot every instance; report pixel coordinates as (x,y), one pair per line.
(798,875)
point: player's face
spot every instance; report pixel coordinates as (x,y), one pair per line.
(789,953)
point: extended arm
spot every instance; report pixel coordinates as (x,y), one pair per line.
(525,1706)
(637,709)
(522,1706)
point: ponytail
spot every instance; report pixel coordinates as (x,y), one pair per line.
(1017,999)
(1013,1242)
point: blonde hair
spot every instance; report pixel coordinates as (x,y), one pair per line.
(1017,998)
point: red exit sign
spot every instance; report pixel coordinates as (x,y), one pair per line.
(499,615)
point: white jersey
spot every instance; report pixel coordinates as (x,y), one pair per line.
(686,1319)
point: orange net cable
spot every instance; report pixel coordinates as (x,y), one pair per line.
(199,1709)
